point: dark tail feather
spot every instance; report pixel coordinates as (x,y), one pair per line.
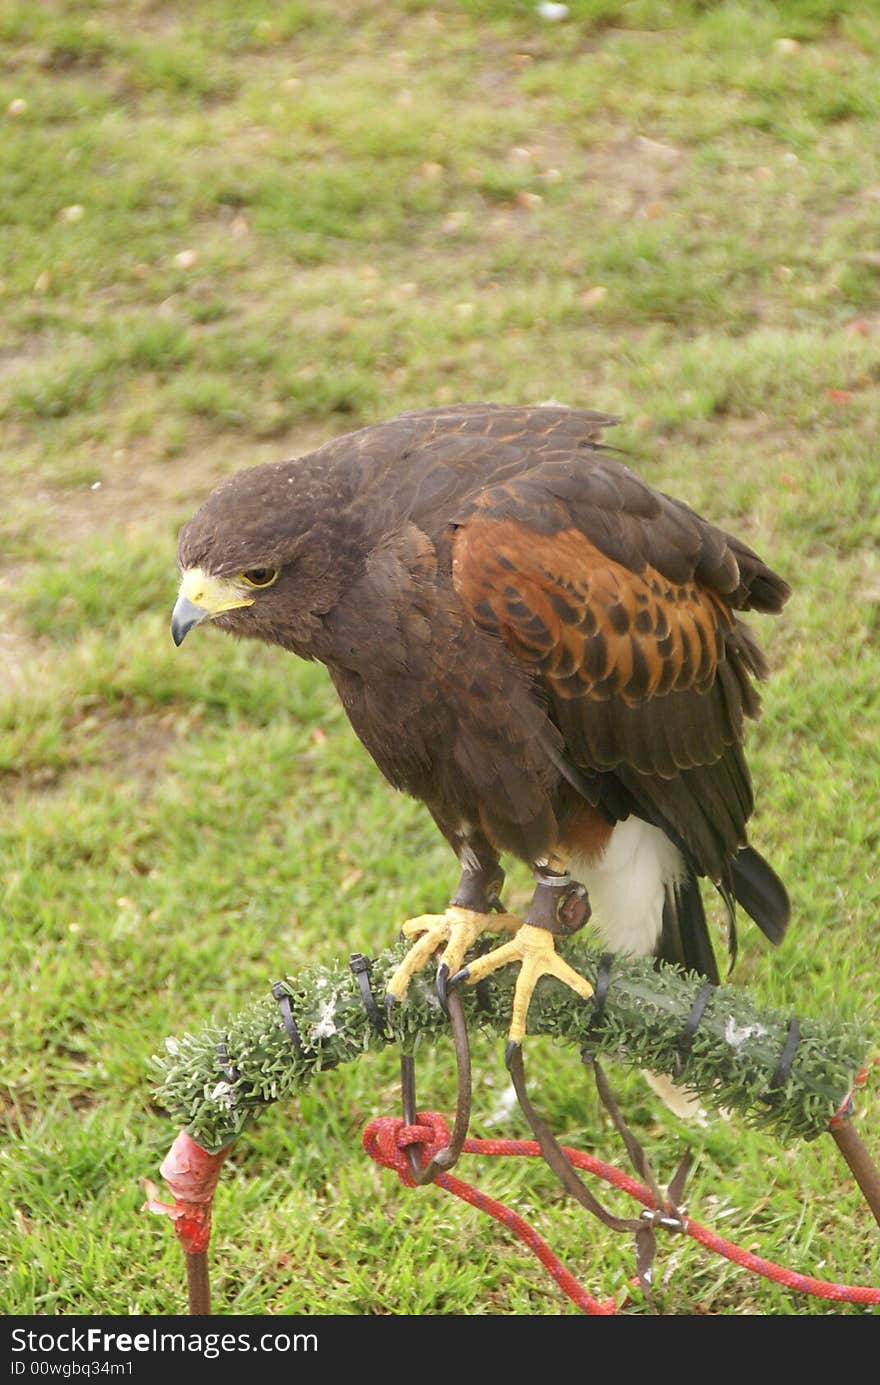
(751,883)
(729,900)
(685,936)
(761,893)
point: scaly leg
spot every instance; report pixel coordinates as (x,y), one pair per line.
(456,930)
(559,906)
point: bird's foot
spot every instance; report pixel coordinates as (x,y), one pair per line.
(535,949)
(456,931)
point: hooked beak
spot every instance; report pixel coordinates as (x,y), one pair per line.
(184,616)
(202,596)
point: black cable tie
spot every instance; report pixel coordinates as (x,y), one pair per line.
(783,1070)
(359,966)
(599,996)
(229,1070)
(698,1009)
(280,994)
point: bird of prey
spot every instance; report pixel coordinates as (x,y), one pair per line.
(538,645)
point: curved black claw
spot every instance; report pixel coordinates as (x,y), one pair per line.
(511,1050)
(461,975)
(442,986)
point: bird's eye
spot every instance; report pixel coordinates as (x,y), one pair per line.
(260,576)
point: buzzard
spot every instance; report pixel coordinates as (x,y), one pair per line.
(538,645)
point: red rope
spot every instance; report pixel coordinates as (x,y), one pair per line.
(386,1139)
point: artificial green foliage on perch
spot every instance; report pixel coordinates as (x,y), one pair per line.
(216,1082)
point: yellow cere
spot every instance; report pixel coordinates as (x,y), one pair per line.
(213,594)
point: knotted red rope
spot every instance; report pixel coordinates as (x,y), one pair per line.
(387,1138)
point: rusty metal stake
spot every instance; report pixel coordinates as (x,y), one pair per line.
(198,1283)
(862,1166)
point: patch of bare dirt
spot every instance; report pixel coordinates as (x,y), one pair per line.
(130,747)
(134,746)
(639,173)
(23,661)
(137,488)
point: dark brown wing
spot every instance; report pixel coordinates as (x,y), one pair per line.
(623,609)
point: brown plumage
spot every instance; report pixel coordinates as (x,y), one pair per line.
(525,636)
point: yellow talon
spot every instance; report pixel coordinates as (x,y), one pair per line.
(535,949)
(456,931)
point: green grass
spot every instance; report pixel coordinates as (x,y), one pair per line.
(290,220)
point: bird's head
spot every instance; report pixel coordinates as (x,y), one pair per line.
(261,557)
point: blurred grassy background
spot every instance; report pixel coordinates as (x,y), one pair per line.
(229,232)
